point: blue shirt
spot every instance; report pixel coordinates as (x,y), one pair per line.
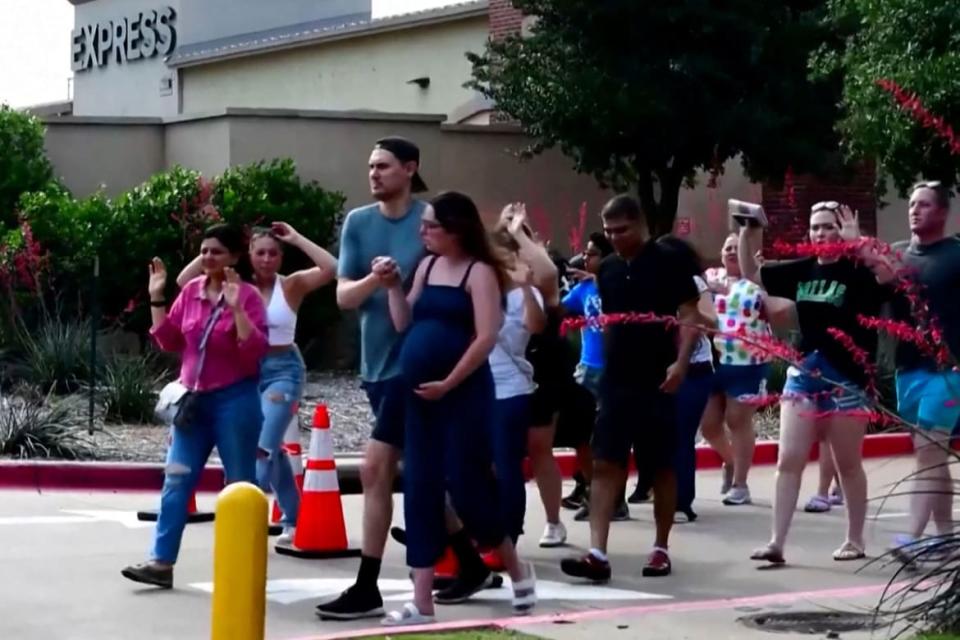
(584,300)
(366,234)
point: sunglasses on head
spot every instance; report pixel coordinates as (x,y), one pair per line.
(826,205)
(927,184)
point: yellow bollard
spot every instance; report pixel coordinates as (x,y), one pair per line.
(239,564)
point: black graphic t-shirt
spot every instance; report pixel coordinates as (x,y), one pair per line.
(830,295)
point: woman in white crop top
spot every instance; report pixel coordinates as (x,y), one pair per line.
(513,381)
(282,371)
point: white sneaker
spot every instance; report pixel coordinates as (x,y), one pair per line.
(554,535)
(737,496)
(285,539)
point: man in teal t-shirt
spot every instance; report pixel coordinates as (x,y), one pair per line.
(387,229)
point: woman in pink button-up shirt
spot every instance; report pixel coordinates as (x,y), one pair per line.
(226,411)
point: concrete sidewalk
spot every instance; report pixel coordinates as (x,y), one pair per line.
(62,553)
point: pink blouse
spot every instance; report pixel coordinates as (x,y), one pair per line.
(228,360)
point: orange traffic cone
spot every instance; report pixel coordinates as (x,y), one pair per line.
(192,514)
(321,530)
(291,444)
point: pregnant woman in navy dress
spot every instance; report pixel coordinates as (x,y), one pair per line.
(451,317)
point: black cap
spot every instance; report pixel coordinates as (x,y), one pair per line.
(405,151)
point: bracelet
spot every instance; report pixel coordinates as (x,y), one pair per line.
(158,303)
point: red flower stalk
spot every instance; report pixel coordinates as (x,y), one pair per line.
(577,232)
(910,103)
(860,356)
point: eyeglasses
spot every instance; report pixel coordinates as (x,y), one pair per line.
(826,205)
(430,224)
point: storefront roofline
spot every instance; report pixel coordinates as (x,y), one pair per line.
(303,35)
(242,112)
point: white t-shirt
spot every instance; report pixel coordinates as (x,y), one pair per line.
(702,352)
(512,374)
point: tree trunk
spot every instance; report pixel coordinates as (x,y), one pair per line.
(661,212)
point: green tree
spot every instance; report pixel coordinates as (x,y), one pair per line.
(916,44)
(642,94)
(23,161)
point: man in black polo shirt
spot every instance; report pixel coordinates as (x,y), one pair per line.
(644,368)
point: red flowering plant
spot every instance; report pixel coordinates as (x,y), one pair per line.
(24,269)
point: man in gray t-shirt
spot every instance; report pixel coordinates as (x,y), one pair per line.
(928,395)
(388,230)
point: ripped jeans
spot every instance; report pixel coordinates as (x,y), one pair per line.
(281,384)
(227,418)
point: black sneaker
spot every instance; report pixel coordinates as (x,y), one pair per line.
(149,573)
(620,514)
(399,534)
(354,603)
(639,496)
(576,499)
(589,567)
(465,586)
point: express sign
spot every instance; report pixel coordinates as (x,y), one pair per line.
(141,36)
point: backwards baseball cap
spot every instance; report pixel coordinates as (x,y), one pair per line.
(405,151)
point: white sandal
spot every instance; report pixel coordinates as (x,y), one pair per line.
(409,615)
(525,592)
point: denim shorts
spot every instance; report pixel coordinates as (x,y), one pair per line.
(741,381)
(588,377)
(929,399)
(825,396)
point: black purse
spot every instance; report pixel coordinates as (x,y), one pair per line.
(187,406)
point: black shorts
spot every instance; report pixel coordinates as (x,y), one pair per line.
(388,400)
(545,404)
(578,414)
(643,419)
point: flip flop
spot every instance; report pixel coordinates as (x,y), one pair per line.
(817,504)
(408,616)
(769,554)
(849,551)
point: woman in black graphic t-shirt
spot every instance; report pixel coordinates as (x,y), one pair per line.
(827,293)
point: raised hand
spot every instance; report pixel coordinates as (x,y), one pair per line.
(579,274)
(849,223)
(157,283)
(285,232)
(231,287)
(518,220)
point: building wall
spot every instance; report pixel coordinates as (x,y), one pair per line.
(369,73)
(202,144)
(124,89)
(89,154)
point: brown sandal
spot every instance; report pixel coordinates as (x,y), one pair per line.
(769,553)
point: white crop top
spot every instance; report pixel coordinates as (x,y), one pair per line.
(281,319)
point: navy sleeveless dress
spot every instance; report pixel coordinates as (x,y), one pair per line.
(447,447)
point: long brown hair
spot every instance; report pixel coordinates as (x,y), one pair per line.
(458,215)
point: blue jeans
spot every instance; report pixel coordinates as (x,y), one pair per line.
(227,418)
(281,385)
(509,440)
(691,401)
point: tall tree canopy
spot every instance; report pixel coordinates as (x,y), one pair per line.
(642,94)
(915,44)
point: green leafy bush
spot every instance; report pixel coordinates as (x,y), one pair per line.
(41,429)
(128,387)
(23,163)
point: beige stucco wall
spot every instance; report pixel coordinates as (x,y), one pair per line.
(368,73)
(88,154)
(203,145)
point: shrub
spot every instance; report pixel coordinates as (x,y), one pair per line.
(41,429)
(128,388)
(55,356)
(23,163)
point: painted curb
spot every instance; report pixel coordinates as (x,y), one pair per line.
(148,477)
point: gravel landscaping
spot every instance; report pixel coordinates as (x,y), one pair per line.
(350,421)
